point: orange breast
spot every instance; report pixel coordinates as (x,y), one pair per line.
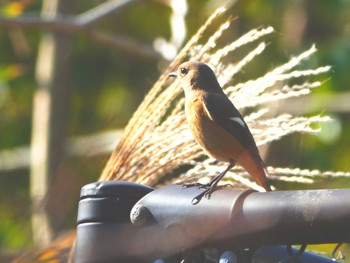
(214,140)
(220,144)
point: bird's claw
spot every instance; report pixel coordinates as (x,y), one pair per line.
(206,194)
(199,185)
(205,186)
(190,185)
(197,199)
(209,188)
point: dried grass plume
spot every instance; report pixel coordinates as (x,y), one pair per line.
(157,141)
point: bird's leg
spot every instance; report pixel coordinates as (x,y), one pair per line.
(214,181)
(212,184)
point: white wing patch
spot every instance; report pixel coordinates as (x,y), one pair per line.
(238,120)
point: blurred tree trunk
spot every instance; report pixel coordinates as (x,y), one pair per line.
(50,112)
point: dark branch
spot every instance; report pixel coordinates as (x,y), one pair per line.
(107,8)
(127,44)
(60,23)
(83,24)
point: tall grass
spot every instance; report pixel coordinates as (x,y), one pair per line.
(157,141)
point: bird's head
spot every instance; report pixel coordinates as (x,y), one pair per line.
(194,75)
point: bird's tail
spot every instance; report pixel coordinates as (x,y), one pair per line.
(255,166)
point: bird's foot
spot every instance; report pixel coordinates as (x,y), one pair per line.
(201,186)
(209,189)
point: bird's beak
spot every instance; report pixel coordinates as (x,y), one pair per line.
(173,74)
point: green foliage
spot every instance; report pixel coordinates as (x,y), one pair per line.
(15,205)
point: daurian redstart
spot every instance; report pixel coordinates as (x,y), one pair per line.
(216,124)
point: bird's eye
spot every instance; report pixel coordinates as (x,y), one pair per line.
(184,71)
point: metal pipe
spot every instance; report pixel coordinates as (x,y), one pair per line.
(165,222)
(245,218)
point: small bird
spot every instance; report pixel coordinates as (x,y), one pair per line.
(216,124)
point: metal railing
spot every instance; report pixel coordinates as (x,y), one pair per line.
(125,222)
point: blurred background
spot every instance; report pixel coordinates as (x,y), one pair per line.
(66,96)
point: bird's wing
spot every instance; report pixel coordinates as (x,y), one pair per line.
(221,110)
